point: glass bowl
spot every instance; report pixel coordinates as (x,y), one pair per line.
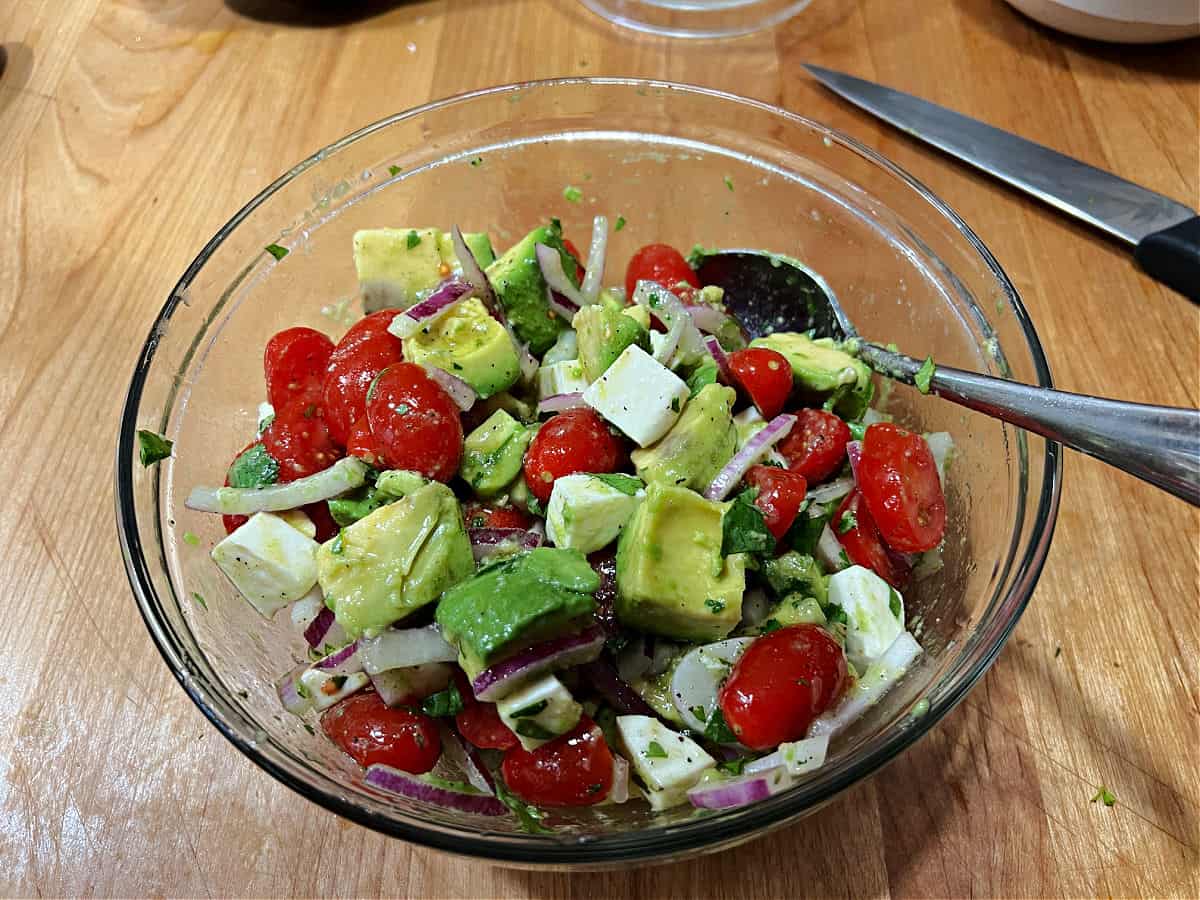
(705,19)
(683,165)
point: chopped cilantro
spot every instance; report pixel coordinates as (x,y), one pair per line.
(771,625)
(834,614)
(534,507)
(528,815)
(843,558)
(654,750)
(925,375)
(199,599)
(1057,652)
(444,703)
(674,404)
(530,729)
(338,682)
(253,469)
(617,643)
(394,170)
(733,766)
(894,603)
(717,606)
(276,251)
(699,713)
(531,710)
(729,182)
(743,528)
(338,547)
(806,531)
(847,523)
(412,240)
(302,690)
(477,162)
(626,484)
(595,788)
(620,223)
(717,730)
(1105,796)
(572,194)
(152,447)
(189,538)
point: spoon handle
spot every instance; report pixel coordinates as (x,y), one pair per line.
(1158,444)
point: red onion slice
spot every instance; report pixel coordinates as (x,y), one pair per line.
(402,648)
(415,788)
(732,792)
(797,757)
(486,541)
(593,274)
(559,402)
(400,686)
(666,349)
(777,429)
(289,692)
(707,318)
(854,452)
(879,678)
(698,677)
(465,757)
(344,475)
(620,696)
(834,490)
(325,631)
(829,551)
(473,272)
(496,682)
(669,309)
(717,352)
(426,312)
(570,298)
(460,392)
(345,661)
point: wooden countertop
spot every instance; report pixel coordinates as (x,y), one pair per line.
(130,130)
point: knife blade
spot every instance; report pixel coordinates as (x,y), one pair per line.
(1164,233)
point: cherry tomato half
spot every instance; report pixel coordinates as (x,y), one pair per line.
(661,263)
(347,381)
(361,443)
(859,535)
(372,732)
(299,440)
(899,482)
(479,723)
(369,329)
(780,494)
(574,769)
(575,440)
(415,423)
(816,445)
(766,377)
(782,682)
(294,363)
(486,515)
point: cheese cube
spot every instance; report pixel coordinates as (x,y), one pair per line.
(269,561)
(640,396)
(587,513)
(299,520)
(564,377)
(874,613)
(667,762)
(540,712)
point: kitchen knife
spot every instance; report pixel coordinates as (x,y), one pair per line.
(1164,234)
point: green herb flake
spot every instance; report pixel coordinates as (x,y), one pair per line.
(674,404)
(626,484)
(835,614)
(699,713)
(254,468)
(858,430)
(412,240)
(843,558)
(729,182)
(477,162)
(191,539)
(199,600)
(654,750)
(847,523)
(743,527)
(530,729)
(394,170)
(771,625)
(717,730)
(1057,652)
(528,816)
(1105,796)
(532,709)
(620,223)
(894,603)
(733,766)
(152,447)
(338,547)
(309,729)
(276,251)
(572,194)
(717,606)
(444,703)
(534,507)
(925,375)
(338,682)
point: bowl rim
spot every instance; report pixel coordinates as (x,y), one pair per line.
(645,844)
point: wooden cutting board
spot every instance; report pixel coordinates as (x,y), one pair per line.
(130,130)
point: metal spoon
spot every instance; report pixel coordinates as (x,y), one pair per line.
(1159,444)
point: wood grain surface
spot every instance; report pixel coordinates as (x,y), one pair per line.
(130,130)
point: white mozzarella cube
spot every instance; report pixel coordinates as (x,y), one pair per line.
(640,396)
(565,377)
(540,712)
(874,613)
(269,561)
(586,513)
(299,520)
(667,762)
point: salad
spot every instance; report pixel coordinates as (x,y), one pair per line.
(553,542)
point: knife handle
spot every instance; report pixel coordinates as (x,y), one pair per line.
(1172,256)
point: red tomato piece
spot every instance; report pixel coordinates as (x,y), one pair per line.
(766,377)
(661,263)
(574,251)
(361,443)
(899,483)
(294,363)
(782,682)
(327,529)
(371,732)
(369,329)
(479,723)
(862,541)
(415,422)
(574,769)
(484,515)
(349,377)
(816,445)
(575,440)
(780,494)
(299,440)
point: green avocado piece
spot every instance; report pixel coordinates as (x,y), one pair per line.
(395,560)
(389,487)
(493,453)
(518,282)
(603,334)
(522,600)
(468,343)
(671,577)
(823,367)
(796,573)
(399,266)
(698,445)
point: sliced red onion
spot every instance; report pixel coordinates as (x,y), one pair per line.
(619,792)
(829,551)
(699,675)
(416,788)
(426,312)
(569,298)
(776,430)
(728,793)
(558,402)
(324,631)
(486,541)
(879,678)
(593,274)
(402,648)
(496,682)
(834,490)
(854,452)
(460,392)
(306,610)
(667,346)
(797,757)
(400,686)
(289,692)
(670,309)
(344,475)
(720,358)
(708,319)
(465,757)
(345,661)
(620,696)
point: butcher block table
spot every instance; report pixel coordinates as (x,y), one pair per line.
(130,130)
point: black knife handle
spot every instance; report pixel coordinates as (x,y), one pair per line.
(1172,256)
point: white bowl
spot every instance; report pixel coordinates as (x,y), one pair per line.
(1119,21)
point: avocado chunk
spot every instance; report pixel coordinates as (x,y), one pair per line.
(389,487)
(518,282)
(697,447)
(823,367)
(399,266)
(493,452)
(796,573)
(394,561)
(517,602)
(603,334)
(671,577)
(468,343)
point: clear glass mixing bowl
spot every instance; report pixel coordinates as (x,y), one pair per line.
(682,165)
